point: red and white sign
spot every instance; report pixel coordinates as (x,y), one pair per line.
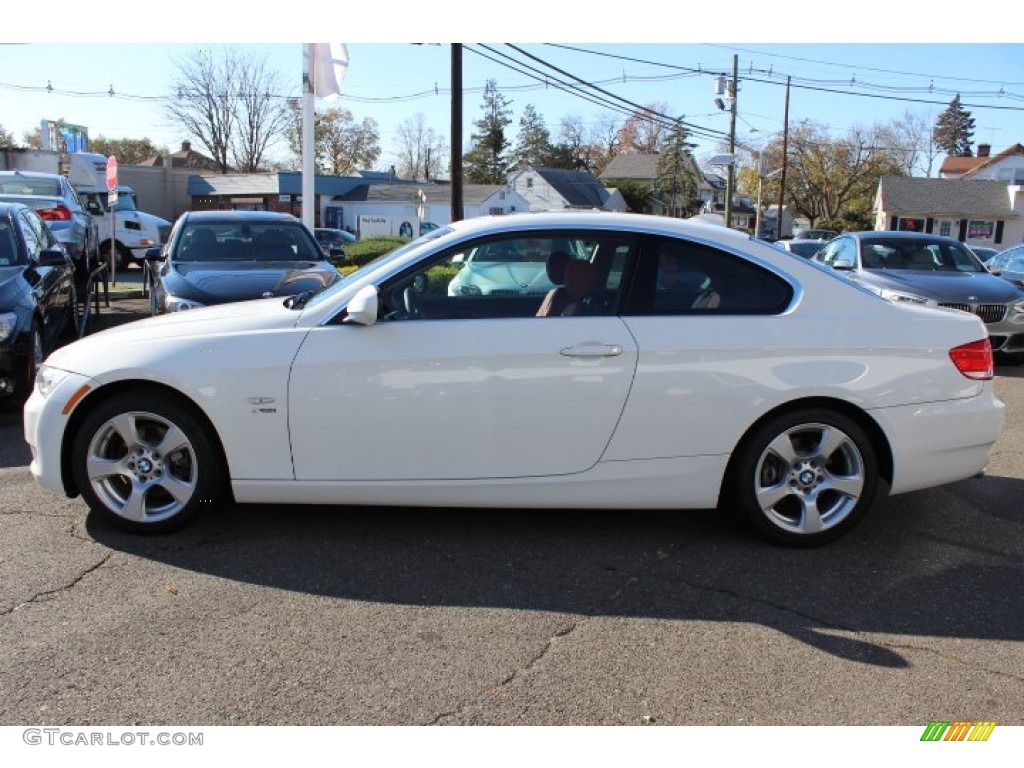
(111,173)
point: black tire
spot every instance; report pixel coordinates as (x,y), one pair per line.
(70,331)
(145,463)
(34,358)
(804,478)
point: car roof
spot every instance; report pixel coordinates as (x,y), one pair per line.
(888,234)
(233,217)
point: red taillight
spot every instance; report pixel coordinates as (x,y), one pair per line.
(57,213)
(974,360)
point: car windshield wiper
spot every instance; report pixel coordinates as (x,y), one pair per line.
(298,301)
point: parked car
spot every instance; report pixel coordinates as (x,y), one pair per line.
(1009,265)
(515,266)
(330,238)
(918,268)
(983,253)
(57,203)
(801,247)
(214,257)
(787,398)
(37,298)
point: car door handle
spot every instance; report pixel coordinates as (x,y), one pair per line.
(592,349)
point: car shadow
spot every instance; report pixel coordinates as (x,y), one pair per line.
(943,563)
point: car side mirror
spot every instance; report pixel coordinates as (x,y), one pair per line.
(154,254)
(994,270)
(52,257)
(93,207)
(363,308)
(845,264)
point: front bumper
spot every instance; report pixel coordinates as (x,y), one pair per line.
(45,426)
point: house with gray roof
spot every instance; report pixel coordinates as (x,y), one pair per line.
(975,211)
(642,168)
(556,189)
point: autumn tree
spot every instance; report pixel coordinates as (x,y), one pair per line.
(954,130)
(341,145)
(645,130)
(487,161)
(828,178)
(422,154)
(127,151)
(6,138)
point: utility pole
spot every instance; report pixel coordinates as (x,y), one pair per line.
(730,181)
(458,212)
(785,153)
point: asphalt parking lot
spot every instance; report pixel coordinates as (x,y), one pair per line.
(358,616)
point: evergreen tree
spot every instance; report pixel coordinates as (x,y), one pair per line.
(954,130)
(486,162)
(533,144)
(677,179)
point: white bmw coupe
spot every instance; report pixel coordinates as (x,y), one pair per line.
(759,383)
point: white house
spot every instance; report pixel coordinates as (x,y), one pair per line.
(1006,166)
(987,212)
(555,189)
(401,201)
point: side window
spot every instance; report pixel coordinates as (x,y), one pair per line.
(542,274)
(678,277)
(34,239)
(846,250)
(828,253)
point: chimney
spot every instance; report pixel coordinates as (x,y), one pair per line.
(984,149)
(186,146)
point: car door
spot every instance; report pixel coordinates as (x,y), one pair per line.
(463,387)
(47,283)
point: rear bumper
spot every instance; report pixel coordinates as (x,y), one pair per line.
(938,443)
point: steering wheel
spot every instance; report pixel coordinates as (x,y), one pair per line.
(412,294)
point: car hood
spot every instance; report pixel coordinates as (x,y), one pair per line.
(959,287)
(218,282)
(95,353)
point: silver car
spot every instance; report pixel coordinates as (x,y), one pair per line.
(930,269)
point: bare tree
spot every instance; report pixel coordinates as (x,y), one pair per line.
(422,154)
(262,115)
(203,100)
(646,129)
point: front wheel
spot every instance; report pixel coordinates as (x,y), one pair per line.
(804,478)
(146,463)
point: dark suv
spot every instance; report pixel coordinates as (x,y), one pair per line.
(55,200)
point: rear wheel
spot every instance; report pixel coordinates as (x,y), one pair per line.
(146,463)
(804,478)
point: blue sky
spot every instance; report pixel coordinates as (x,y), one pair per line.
(859,80)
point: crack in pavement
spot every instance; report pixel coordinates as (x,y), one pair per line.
(50,593)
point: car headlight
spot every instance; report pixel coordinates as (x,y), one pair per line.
(177,304)
(470,290)
(48,378)
(1018,307)
(900,296)
(8,322)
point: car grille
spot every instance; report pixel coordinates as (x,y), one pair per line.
(989,313)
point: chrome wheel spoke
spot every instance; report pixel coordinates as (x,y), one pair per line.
(124,425)
(181,490)
(782,446)
(173,440)
(769,496)
(832,440)
(850,486)
(135,505)
(99,468)
(810,517)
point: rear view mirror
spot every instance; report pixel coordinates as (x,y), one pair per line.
(842,264)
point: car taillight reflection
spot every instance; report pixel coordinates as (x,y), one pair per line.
(974,360)
(57,213)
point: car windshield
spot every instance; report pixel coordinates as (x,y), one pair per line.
(917,255)
(30,185)
(246,241)
(805,249)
